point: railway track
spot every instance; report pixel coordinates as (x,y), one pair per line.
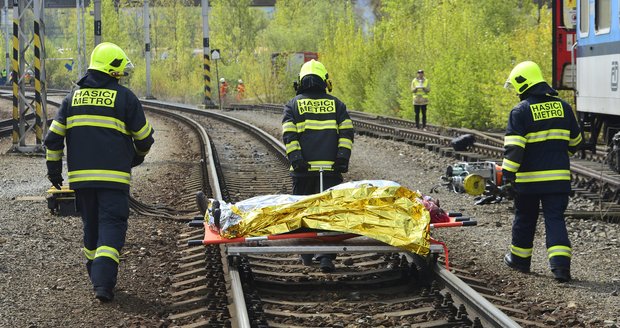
(591,178)
(253,274)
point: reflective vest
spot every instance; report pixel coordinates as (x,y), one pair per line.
(542,133)
(420,91)
(317,128)
(105,128)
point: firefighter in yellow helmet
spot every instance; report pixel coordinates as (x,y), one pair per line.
(317,132)
(106,133)
(542,133)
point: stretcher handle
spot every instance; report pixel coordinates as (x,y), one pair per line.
(321,168)
(454,224)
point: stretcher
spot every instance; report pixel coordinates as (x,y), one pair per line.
(358,216)
(313,242)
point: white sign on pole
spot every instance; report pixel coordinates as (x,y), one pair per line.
(215,54)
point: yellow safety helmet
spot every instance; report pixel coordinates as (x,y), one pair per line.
(525,75)
(316,68)
(110,59)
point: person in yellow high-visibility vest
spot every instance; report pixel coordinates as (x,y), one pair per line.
(420,87)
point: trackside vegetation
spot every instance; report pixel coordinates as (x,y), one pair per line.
(466,48)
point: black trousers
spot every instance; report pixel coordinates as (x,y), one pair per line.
(526,217)
(418,109)
(104,217)
(311,185)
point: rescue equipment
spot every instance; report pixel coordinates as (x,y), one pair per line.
(62,202)
(472,177)
(613,154)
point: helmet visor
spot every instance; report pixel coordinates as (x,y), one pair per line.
(508,86)
(128,69)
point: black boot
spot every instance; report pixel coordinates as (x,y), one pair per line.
(327,265)
(203,202)
(104,295)
(516,266)
(561,274)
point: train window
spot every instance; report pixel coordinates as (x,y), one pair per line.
(602,16)
(584,16)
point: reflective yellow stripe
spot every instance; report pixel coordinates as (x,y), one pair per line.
(552,134)
(510,166)
(319,125)
(537,176)
(58,128)
(99,175)
(90,254)
(289,127)
(292,146)
(143,133)
(327,165)
(346,124)
(53,155)
(559,251)
(345,143)
(98,121)
(106,251)
(521,252)
(514,140)
(575,141)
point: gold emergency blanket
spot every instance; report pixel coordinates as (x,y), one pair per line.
(382,210)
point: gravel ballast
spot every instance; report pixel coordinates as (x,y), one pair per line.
(43,282)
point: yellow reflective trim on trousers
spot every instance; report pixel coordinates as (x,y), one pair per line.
(327,165)
(292,146)
(538,176)
(107,251)
(559,251)
(345,143)
(53,155)
(98,121)
(575,141)
(142,133)
(99,175)
(514,140)
(288,127)
(346,124)
(317,125)
(58,128)
(89,253)
(510,166)
(551,134)
(521,252)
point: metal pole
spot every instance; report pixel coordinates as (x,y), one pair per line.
(97,28)
(81,39)
(206,52)
(7,45)
(147,48)
(217,76)
(39,74)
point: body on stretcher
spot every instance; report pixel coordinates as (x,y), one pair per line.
(366,223)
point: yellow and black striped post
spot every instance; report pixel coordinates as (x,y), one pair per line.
(39,74)
(15,79)
(208,100)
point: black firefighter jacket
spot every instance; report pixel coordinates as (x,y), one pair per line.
(316,127)
(541,135)
(105,130)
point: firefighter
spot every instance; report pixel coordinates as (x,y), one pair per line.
(107,134)
(317,131)
(420,87)
(542,133)
(240,90)
(223,90)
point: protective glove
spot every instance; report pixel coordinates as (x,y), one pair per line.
(137,160)
(54,173)
(341,165)
(300,166)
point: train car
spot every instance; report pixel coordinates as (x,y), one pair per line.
(595,56)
